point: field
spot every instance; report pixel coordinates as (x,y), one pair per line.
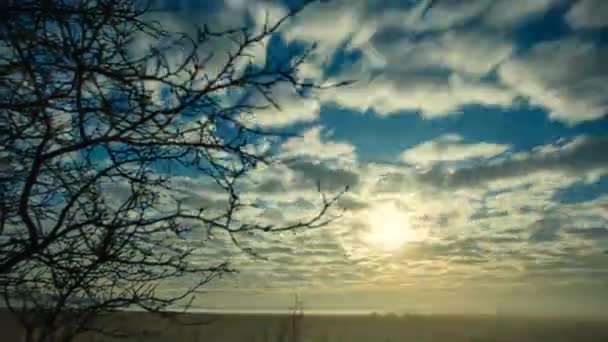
(279,328)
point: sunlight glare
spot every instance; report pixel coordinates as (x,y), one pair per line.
(390,227)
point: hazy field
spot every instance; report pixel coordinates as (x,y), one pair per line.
(262,328)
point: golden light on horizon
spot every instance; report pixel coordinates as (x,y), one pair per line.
(390,227)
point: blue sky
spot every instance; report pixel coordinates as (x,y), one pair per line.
(474,140)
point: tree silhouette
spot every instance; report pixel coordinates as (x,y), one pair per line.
(93,130)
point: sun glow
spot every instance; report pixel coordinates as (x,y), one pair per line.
(390,227)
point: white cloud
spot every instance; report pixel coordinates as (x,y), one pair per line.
(304,160)
(470,53)
(187,16)
(467,211)
(405,82)
(450,147)
(455,244)
(311,144)
(575,158)
(569,77)
(391,94)
(504,13)
(588,14)
(293,108)
(330,24)
(407,67)
(428,15)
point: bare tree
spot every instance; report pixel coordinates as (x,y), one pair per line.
(92,133)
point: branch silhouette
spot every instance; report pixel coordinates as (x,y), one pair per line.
(92,131)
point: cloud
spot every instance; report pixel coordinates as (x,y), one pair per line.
(450,147)
(305,160)
(404,66)
(272,185)
(488,213)
(436,75)
(567,76)
(429,15)
(466,52)
(302,162)
(392,94)
(298,178)
(485,214)
(293,108)
(186,16)
(438,72)
(352,203)
(593,233)
(313,144)
(588,14)
(404,84)
(506,13)
(329,24)
(577,157)
(308,173)
(545,230)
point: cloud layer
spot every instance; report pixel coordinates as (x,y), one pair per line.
(486,212)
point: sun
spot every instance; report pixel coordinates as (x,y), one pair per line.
(390,227)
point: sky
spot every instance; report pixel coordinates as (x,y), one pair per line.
(474,143)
